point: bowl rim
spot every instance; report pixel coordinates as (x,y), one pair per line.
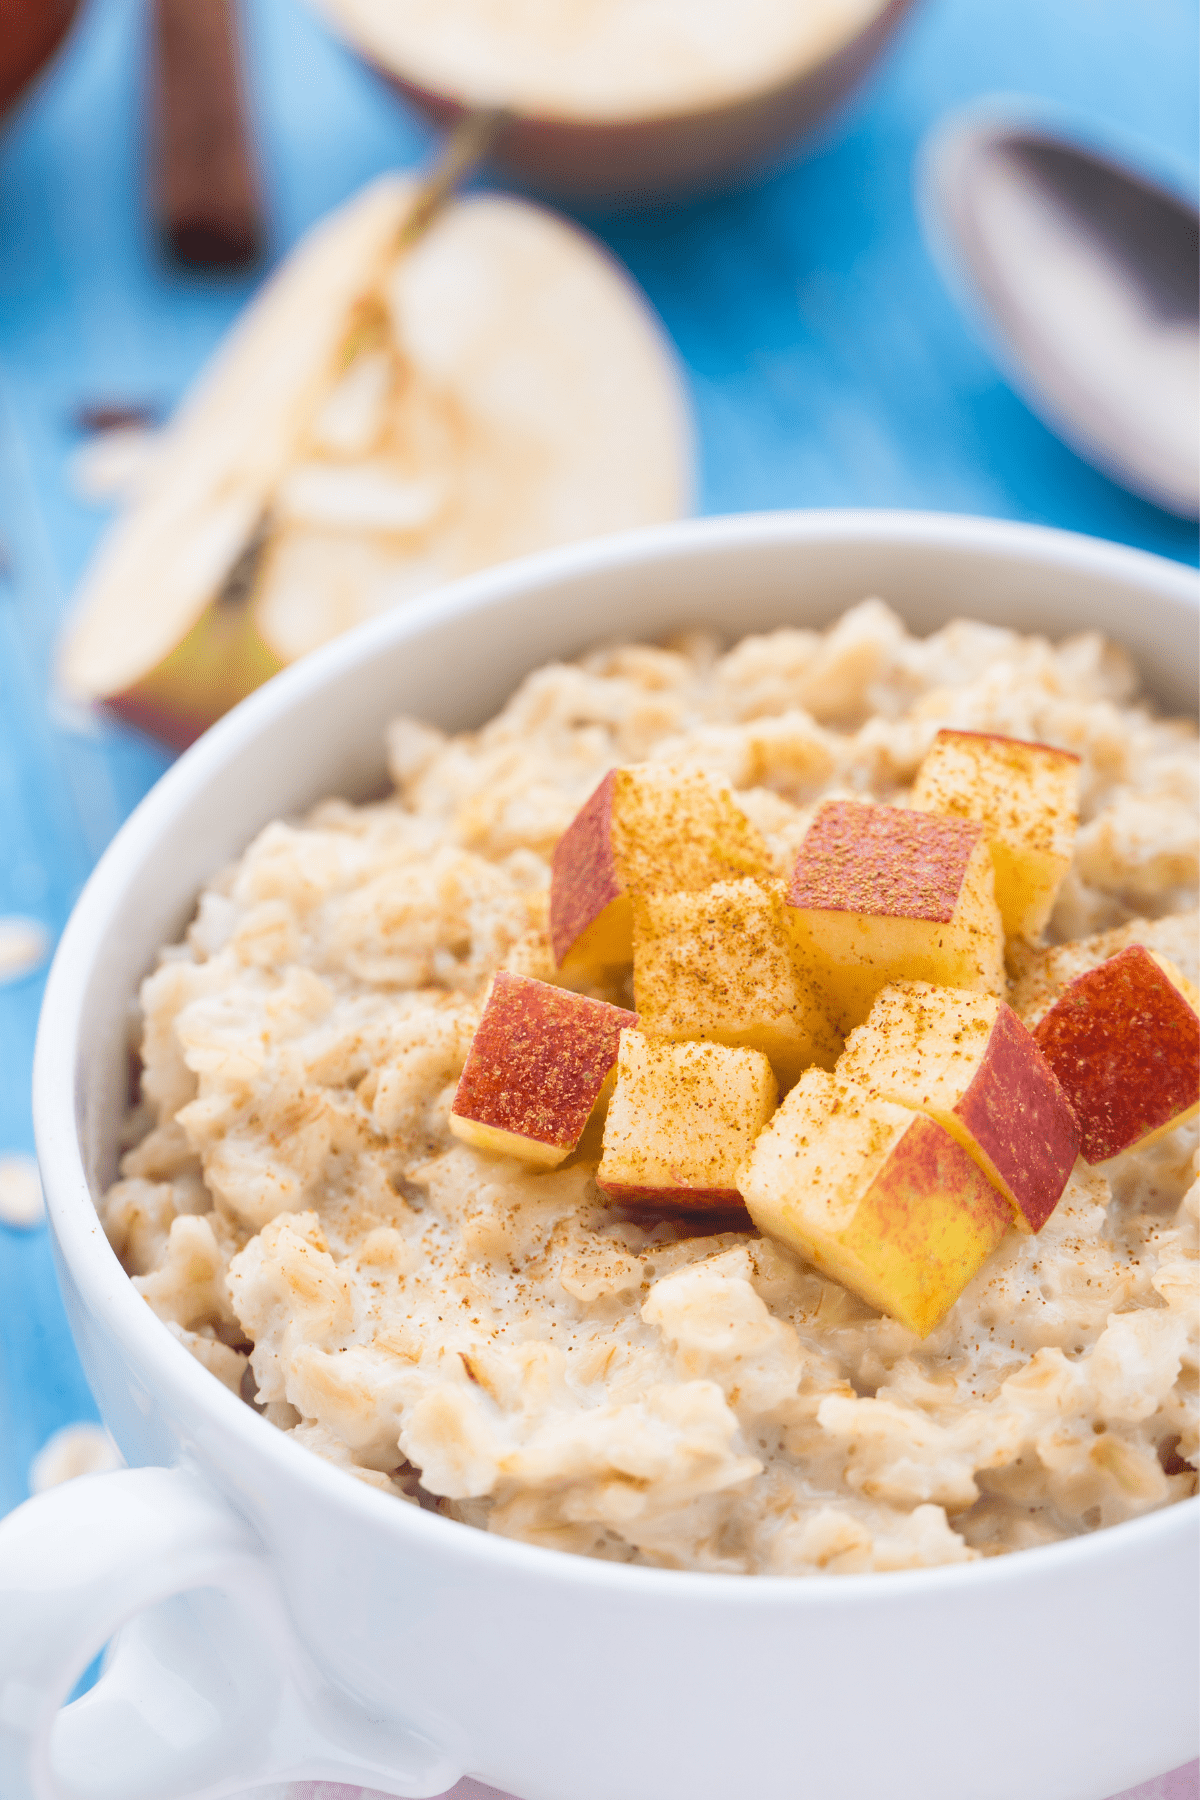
(108,1292)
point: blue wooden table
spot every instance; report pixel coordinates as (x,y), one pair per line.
(826,365)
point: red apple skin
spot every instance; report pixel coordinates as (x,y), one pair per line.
(681,1199)
(177,730)
(176,726)
(1020,1117)
(539,1059)
(926,1161)
(640,160)
(583,871)
(999,737)
(885,860)
(1125,1045)
(907,1199)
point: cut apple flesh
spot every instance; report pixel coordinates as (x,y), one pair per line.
(681,1121)
(882,1199)
(967,1061)
(881,894)
(380,421)
(538,1063)
(716,965)
(1025,797)
(624,97)
(1124,1041)
(646,829)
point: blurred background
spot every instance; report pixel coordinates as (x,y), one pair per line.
(824,358)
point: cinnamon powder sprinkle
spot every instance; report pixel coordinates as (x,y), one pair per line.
(885,860)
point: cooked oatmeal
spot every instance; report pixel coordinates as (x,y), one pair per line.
(502,1344)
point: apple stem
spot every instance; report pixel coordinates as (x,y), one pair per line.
(469,144)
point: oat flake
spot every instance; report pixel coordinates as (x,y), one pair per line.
(24,946)
(21,1200)
(75,1450)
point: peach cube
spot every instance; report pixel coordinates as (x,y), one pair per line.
(967,1061)
(717,965)
(879,1197)
(1025,796)
(681,1121)
(648,829)
(537,1065)
(1124,1041)
(882,893)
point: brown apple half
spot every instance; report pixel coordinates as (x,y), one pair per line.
(1124,1041)
(624,100)
(535,1070)
(381,420)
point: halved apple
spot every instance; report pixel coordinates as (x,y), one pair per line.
(882,1199)
(967,1061)
(624,98)
(385,417)
(646,829)
(883,893)
(681,1121)
(1124,1041)
(717,965)
(537,1065)
(1025,796)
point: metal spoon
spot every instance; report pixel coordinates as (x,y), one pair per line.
(1084,275)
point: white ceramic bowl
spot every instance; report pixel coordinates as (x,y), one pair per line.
(287,1620)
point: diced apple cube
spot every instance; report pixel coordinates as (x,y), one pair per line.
(967,1061)
(1040,976)
(875,1195)
(718,965)
(535,1070)
(1026,798)
(1124,1041)
(648,829)
(681,1121)
(881,894)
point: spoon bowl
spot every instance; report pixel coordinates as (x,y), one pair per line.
(1083,273)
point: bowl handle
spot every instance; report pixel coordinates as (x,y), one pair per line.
(205,1690)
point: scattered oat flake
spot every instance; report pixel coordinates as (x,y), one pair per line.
(24,946)
(111,465)
(75,1450)
(20,1192)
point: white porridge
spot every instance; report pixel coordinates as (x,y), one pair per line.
(505,1345)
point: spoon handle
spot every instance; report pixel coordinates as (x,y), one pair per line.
(205,195)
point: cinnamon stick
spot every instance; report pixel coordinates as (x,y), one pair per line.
(205,193)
